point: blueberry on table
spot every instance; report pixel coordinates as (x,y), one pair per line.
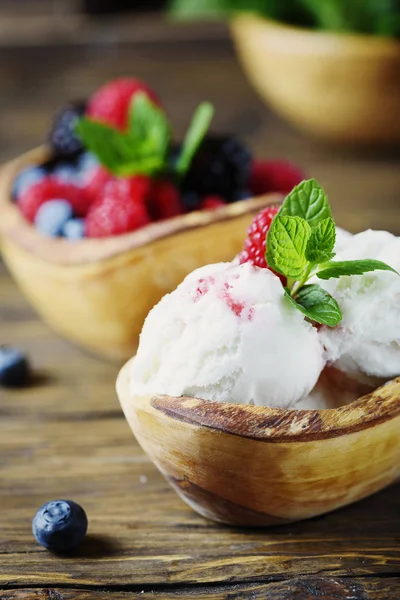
(62,136)
(52,216)
(60,525)
(14,367)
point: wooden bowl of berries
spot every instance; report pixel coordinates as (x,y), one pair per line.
(99,224)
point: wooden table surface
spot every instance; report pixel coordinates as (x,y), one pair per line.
(65,436)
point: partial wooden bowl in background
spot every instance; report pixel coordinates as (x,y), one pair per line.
(258,466)
(340,87)
(97,292)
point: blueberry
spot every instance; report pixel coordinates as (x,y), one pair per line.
(190,200)
(66,172)
(87,161)
(14,367)
(74,229)
(62,136)
(241,195)
(52,216)
(26,178)
(60,525)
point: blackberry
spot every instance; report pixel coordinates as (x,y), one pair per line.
(62,136)
(221,166)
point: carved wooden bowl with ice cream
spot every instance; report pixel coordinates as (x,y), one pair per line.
(258,403)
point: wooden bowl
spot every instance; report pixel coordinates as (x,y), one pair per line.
(97,292)
(258,466)
(341,87)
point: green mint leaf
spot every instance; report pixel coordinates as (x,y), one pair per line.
(149,131)
(308,201)
(321,242)
(352,267)
(197,130)
(286,245)
(104,141)
(140,150)
(115,150)
(315,302)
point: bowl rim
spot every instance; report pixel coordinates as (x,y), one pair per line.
(369,42)
(59,251)
(271,425)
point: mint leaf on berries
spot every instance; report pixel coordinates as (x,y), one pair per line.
(322,241)
(308,201)
(197,130)
(142,149)
(317,304)
(286,245)
(149,130)
(351,267)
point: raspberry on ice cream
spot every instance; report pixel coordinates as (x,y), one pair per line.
(254,245)
(227,333)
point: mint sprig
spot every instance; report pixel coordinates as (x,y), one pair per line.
(196,132)
(351,267)
(143,148)
(317,304)
(308,201)
(287,242)
(300,245)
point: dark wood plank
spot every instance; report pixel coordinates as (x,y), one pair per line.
(304,588)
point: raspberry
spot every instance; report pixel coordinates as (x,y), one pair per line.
(94,182)
(274,176)
(212,202)
(164,201)
(120,208)
(50,188)
(254,245)
(110,104)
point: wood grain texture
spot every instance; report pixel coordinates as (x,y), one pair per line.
(65,436)
(304,588)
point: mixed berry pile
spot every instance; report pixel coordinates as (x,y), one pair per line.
(115,167)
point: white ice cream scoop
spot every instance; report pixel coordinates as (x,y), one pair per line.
(367,341)
(228,333)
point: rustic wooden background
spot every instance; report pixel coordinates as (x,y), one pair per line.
(65,436)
